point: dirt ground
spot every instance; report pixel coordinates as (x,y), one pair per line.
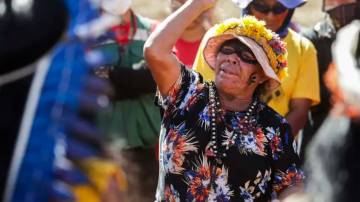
(307,15)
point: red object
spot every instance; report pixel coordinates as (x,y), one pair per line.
(122,33)
(186,51)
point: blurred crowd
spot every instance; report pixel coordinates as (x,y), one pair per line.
(83,111)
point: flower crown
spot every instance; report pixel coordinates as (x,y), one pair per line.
(254,29)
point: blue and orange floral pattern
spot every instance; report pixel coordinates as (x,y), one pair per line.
(221,191)
(260,158)
(177,144)
(198,181)
(171,194)
(259,185)
(275,141)
(288,178)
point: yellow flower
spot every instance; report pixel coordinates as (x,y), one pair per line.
(267,36)
(273,61)
(262,41)
(281,58)
(282,74)
(238,30)
(250,27)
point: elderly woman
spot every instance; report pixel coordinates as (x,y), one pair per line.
(300,90)
(219,141)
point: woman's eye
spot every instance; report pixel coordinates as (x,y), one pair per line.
(227,50)
(247,55)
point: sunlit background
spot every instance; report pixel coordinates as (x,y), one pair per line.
(306,16)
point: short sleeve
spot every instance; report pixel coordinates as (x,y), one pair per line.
(185,85)
(307,85)
(285,160)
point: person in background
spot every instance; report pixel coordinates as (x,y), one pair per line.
(125,80)
(333,154)
(187,45)
(332,157)
(338,14)
(133,124)
(210,130)
(300,90)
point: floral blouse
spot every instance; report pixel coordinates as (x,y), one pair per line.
(258,164)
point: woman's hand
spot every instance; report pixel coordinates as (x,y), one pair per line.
(206,4)
(164,66)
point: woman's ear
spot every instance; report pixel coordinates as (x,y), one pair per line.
(263,80)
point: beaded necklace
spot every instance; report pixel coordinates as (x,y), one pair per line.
(215,110)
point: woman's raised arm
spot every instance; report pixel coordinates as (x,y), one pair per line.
(163,64)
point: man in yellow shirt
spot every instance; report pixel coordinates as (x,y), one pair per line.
(300,89)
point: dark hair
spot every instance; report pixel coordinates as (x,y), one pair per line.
(262,92)
(234,41)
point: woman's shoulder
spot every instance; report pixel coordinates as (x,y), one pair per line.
(269,116)
(191,76)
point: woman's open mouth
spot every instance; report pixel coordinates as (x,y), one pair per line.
(225,69)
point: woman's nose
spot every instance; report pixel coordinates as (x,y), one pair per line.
(270,16)
(232,59)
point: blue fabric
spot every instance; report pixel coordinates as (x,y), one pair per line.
(287,3)
(71,176)
(58,130)
(292,3)
(58,100)
(61,192)
(80,12)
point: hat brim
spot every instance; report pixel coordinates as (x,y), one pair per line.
(290,4)
(212,48)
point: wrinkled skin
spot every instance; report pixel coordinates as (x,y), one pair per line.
(233,75)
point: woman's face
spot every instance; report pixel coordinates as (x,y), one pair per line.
(275,18)
(237,69)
